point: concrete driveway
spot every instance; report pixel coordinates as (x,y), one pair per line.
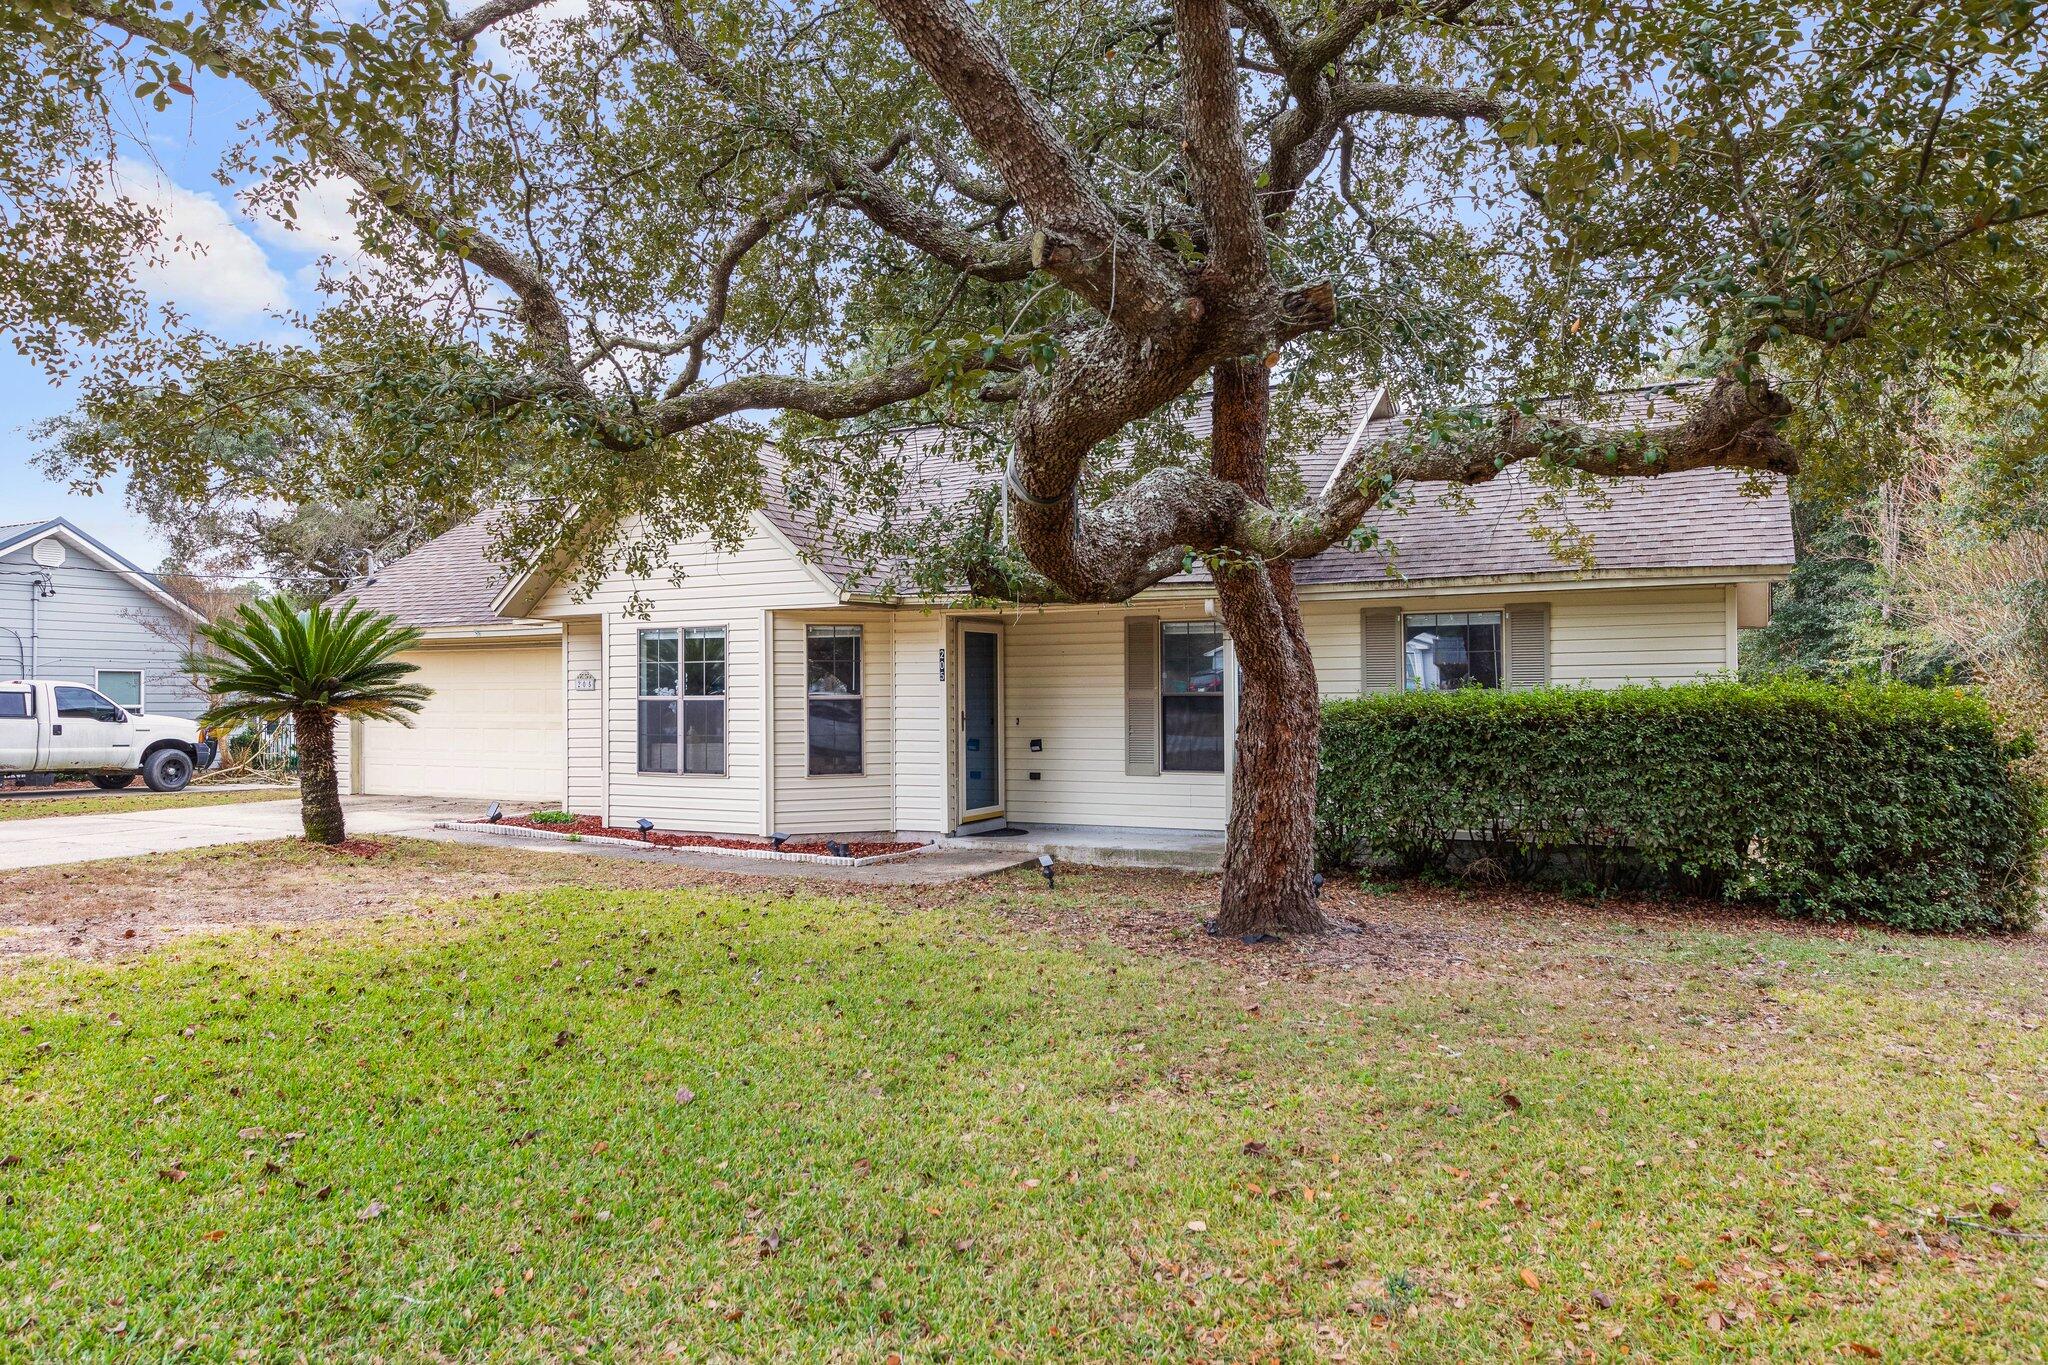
(127,834)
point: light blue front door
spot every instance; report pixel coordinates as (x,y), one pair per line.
(981,778)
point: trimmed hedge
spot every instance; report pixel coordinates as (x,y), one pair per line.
(1894,804)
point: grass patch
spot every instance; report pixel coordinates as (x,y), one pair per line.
(760,1123)
(106,803)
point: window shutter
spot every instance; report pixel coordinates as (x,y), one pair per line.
(1141,696)
(1528,647)
(1379,649)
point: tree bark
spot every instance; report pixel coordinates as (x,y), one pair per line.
(1269,858)
(319,792)
(1269,855)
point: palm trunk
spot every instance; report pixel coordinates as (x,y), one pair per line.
(319,793)
(1269,858)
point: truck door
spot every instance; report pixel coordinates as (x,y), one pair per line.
(88,731)
(18,723)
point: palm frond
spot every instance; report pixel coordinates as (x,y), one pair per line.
(272,658)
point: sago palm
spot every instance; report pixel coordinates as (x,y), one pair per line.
(273,659)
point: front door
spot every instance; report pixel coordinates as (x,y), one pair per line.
(981,724)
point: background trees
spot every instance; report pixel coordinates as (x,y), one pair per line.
(604,235)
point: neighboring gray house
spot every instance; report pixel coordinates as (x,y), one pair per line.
(73,610)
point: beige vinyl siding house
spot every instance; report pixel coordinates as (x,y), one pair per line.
(767,691)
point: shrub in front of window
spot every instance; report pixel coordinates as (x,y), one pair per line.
(1896,805)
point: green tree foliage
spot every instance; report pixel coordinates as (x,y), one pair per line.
(272,660)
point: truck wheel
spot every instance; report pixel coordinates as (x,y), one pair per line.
(112,782)
(167,770)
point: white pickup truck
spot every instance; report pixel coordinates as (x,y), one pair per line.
(60,727)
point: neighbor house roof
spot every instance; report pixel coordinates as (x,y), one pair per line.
(1703,520)
(20,535)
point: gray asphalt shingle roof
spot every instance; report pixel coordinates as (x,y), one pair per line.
(1700,520)
(449,581)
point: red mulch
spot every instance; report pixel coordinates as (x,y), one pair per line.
(590,824)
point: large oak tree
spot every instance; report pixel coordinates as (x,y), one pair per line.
(608,234)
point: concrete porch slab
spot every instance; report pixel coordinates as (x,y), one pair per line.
(1180,850)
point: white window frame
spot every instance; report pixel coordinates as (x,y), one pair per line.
(1500,651)
(684,698)
(1224,664)
(141,686)
(858,695)
(681,699)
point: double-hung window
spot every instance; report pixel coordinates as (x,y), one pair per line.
(832,688)
(682,700)
(1446,650)
(1191,696)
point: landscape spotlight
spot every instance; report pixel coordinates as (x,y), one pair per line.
(1316,886)
(777,841)
(645,825)
(1045,869)
(495,813)
(837,849)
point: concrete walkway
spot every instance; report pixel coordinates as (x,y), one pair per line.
(55,839)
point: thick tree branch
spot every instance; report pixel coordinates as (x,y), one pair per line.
(1734,425)
(1214,150)
(857,183)
(463,28)
(1081,243)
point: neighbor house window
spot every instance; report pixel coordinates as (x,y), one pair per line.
(1446,650)
(832,688)
(1191,697)
(120,685)
(682,700)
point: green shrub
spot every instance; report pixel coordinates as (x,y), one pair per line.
(1899,805)
(552,817)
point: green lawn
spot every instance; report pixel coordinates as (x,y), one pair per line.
(102,803)
(756,1124)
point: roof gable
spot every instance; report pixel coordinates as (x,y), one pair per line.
(24,535)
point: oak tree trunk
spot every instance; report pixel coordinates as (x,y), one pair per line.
(1269,856)
(319,791)
(1269,860)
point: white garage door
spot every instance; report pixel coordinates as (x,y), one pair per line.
(492,730)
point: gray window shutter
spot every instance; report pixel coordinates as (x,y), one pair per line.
(1379,649)
(1141,696)
(1528,647)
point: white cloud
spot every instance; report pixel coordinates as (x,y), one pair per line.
(207,264)
(324,224)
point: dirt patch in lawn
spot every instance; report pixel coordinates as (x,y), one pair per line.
(116,908)
(1420,929)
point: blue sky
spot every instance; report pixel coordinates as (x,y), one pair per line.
(230,273)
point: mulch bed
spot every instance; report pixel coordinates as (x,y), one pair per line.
(590,824)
